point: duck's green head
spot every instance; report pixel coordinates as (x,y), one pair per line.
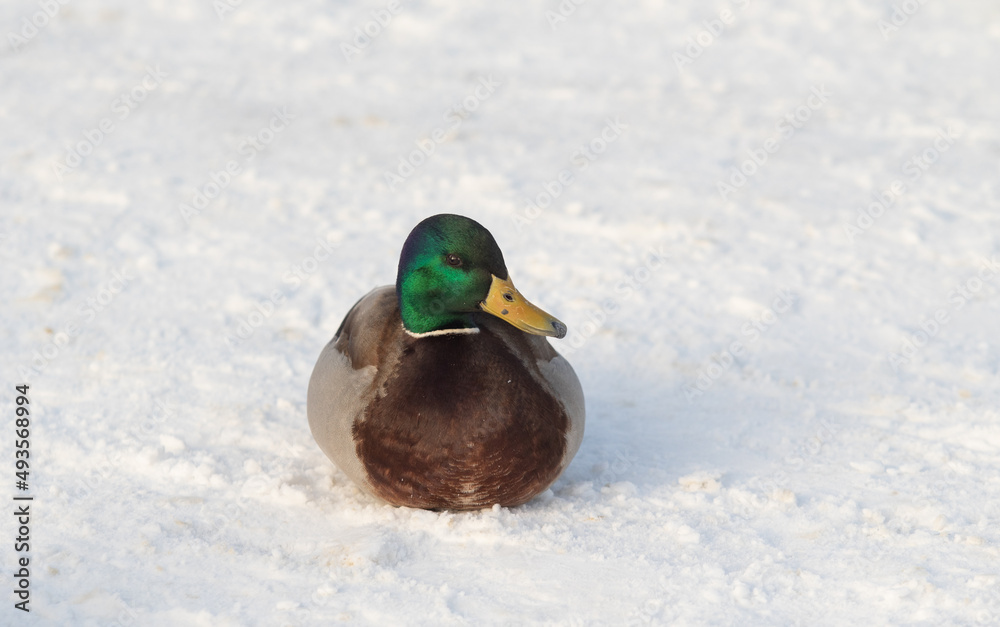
(451,268)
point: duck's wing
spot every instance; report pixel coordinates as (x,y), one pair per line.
(367,327)
(343,380)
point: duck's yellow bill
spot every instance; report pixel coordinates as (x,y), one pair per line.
(505,302)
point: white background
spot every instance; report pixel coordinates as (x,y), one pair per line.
(810,482)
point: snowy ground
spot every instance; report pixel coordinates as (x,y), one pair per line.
(834,467)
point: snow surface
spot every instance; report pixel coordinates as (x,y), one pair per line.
(814,479)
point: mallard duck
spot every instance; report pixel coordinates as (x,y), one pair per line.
(441,392)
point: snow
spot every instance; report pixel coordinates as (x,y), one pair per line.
(789,421)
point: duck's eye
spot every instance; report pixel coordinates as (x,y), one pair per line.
(508,297)
(454,260)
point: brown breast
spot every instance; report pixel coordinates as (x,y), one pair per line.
(462,423)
